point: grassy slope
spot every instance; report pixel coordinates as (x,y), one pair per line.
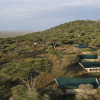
(76,31)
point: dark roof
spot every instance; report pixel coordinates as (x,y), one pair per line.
(94,49)
(84,46)
(90,64)
(81,47)
(88,49)
(88,56)
(79,44)
(73,83)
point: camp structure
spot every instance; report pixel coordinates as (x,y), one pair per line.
(79,44)
(88,58)
(88,50)
(90,66)
(83,48)
(75,48)
(71,85)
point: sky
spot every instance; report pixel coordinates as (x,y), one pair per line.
(39,15)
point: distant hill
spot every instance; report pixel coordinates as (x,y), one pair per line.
(5,34)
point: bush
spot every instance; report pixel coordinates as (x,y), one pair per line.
(52,94)
(20,92)
(52,51)
(58,51)
(50,47)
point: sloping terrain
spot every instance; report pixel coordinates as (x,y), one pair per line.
(54,45)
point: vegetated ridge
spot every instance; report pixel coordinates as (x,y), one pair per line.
(35,59)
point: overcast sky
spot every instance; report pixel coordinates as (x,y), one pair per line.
(38,15)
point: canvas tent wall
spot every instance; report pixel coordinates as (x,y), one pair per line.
(91,66)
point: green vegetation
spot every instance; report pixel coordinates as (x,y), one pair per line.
(32,61)
(86,49)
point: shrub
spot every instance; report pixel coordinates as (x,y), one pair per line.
(52,51)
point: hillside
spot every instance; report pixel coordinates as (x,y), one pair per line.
(49,52)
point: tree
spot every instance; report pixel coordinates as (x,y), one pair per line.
(1,56)
(34,47)
(54,44)
(50,47)
(62,42)
(54,41)
(97,95)
(18,52)
(36,38)
(52,51)
(10,49)
(28,70)
(4,51)
(71,58)
(87,41)
(20,92)
(83,94)
(51,94)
